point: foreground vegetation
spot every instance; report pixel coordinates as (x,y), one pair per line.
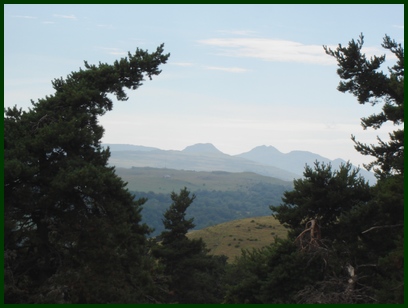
(73,232)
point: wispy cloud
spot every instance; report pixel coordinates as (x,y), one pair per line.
(105,26)
(270,50)
(114,51)
(226,69)
(399,26)
(184,64)
(48,22)
(64,16)
(24,16)
(214,68)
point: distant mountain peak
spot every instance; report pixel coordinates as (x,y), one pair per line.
(265,148)
(202,148)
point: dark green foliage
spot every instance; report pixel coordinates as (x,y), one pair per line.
(377,226)
(194,276)
(364,79)
(174,221)
(73,232)
(370,239)
(271,275)
(383,239)
(361,228)
(322,195)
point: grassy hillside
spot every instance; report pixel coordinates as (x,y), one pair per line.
(230,237)
(163,180)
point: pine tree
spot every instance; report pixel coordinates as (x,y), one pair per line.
(73,231)
(365,80)
(380,222)
(323,195)
(194,276)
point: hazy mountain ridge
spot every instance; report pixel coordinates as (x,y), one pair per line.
(194,159)
(264,160)
(295,161)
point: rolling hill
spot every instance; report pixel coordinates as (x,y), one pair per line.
(231,237)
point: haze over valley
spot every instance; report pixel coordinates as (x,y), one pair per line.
(263,160)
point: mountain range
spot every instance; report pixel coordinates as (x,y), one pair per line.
(264,160)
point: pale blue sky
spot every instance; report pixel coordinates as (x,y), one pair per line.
(239,76)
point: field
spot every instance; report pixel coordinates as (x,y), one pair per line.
(230,237)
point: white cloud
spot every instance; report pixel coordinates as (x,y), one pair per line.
(226,69)
(270,50)
(64,16)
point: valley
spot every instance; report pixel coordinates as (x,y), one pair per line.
(226,187)
(220,196)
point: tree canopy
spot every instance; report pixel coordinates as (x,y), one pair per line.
(194,276)
(70,222)
(322,195)
(364,79)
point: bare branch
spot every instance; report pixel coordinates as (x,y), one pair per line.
(382,227)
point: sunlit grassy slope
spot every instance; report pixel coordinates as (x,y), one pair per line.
(230,237)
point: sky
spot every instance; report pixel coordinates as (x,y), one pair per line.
(238,76)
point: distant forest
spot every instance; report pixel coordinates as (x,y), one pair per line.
(214,207)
